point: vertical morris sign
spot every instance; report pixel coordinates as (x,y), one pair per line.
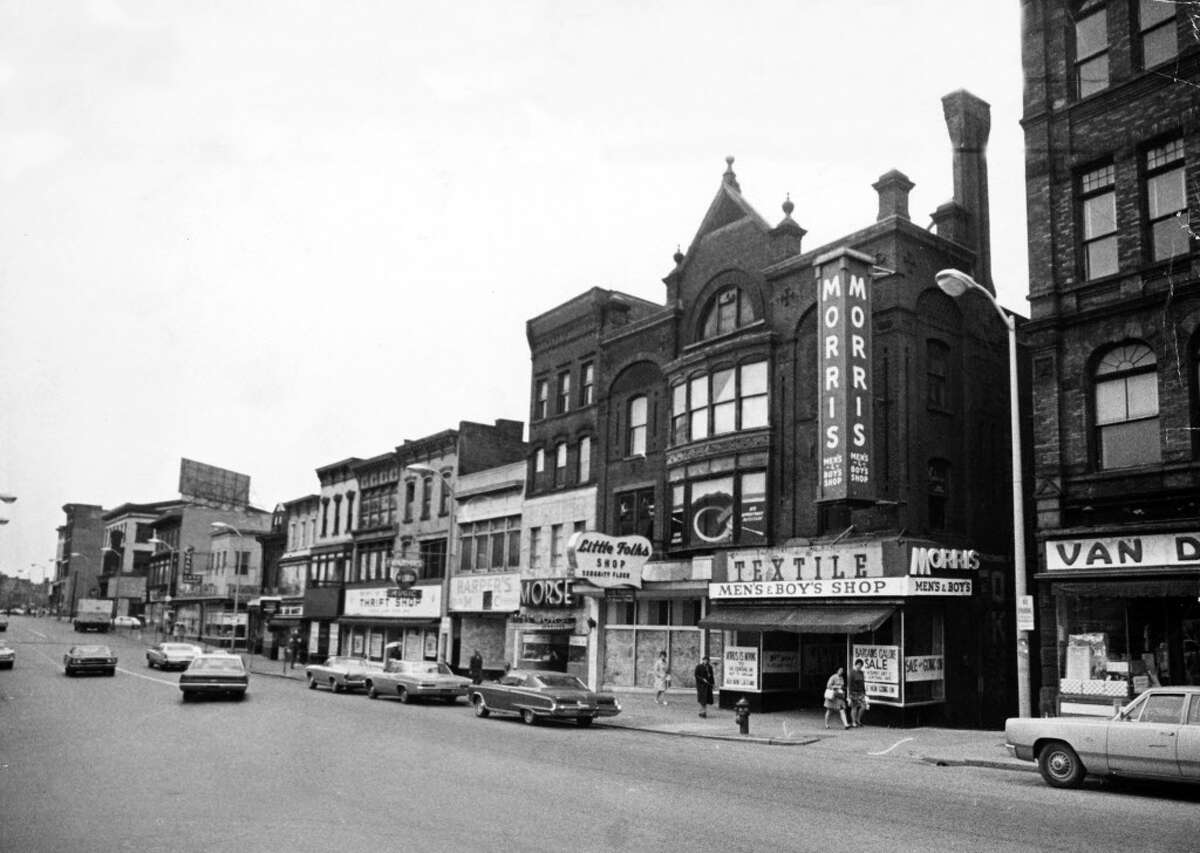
(844,381)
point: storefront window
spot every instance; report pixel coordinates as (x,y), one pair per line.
(1116,648)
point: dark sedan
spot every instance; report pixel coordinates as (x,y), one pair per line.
(90,659)
(216,674)
(171,655)
(539,694)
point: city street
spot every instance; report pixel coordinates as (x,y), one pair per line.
(122,764)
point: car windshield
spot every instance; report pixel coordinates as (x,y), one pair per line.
(178,647)
(563,680)
(222,664)
(92,650)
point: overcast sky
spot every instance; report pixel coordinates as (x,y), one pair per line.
(271,234)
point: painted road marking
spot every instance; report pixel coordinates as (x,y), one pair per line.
(893,746)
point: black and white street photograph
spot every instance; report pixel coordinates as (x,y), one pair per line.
(632,426)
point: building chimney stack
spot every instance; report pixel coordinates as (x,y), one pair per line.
(969,121)
(893,188)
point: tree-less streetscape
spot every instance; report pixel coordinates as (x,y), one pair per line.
(121,763)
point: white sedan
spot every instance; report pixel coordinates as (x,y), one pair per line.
(127,622)
(1156,736)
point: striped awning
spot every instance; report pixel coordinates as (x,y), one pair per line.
(804,619)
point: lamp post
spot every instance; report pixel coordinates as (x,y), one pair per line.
(166,599)
(117,579)
(955,283)
(237,587)
(430,471)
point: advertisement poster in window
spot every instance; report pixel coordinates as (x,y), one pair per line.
(356,644)
(376,645)
(741,668)
(712,511)
(881,666)
(431,643)
(754,508)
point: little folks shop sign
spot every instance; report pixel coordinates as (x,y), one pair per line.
(608,561)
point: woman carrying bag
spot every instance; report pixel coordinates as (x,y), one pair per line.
(835,696)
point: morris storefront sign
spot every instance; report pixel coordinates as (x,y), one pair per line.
(608,561)
(864,569)
(378,603)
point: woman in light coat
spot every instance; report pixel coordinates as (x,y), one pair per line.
(835,696)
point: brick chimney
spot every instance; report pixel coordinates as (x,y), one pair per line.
(969,121)
(893,188)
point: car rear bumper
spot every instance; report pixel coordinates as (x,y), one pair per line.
(214,687)
(438,692)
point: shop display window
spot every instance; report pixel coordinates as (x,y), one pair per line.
(924,655)
(1114,648)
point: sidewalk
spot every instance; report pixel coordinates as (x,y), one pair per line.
(680,718)
(949,747)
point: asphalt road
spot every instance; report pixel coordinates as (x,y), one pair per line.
(109,764)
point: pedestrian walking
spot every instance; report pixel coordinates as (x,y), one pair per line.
(835,696)
(704,685)
(295,648)
(662,678)
(858,694)
(476,667)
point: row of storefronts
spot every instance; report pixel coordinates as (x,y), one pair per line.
(775,622)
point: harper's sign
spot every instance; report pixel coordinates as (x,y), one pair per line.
(485,592)
(1124,552)
(608,561)
(844,376)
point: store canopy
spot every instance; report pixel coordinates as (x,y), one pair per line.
(806,619)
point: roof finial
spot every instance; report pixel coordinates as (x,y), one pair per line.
(678,255)
(729,177)
(788,207)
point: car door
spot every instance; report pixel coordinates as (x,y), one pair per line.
(1189,742)
(507,692)
(1147,744)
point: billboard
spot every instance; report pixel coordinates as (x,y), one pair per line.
(209,484)
(845,415)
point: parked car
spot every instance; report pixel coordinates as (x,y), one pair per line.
(8,655)
(1156,736)
(172,655)
(215,674)
(341,673)
(90,659)
(3,622)
(537,694)
(417,679)
(127,622)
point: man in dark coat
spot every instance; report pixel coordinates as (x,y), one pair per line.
(704,685)
(476,667)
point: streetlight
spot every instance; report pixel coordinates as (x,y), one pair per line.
(237,587)
(7,498)
(117,585)
(166,600)
(955,283)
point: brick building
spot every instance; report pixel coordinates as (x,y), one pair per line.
(80,538)
(815,444)
(1112,128)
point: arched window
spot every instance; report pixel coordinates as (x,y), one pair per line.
(730,309)
(636,432)
(1126,399)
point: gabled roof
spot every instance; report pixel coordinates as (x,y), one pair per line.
(728,206)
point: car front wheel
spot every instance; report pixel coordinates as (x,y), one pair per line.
(333,686)
(481,709)
(312,683)
(528,717)
(585,721)
(1060,766)
(372,693)
(402,692)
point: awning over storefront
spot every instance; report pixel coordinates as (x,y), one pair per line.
(809,619)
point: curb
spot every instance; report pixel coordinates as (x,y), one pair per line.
(978,762)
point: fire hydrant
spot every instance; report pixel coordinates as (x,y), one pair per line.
(741,713)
